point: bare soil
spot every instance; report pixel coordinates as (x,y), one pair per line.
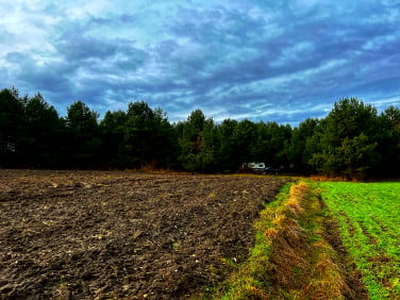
(102,235)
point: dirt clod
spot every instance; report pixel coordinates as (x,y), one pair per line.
(101,235)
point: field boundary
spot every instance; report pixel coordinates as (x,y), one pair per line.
(298,253)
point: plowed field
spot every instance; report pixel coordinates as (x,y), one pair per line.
(101,235)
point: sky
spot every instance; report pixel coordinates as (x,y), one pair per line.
(269,60)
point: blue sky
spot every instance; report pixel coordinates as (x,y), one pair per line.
(266,60)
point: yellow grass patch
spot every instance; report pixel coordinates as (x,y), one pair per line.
(294,261)
(297,194)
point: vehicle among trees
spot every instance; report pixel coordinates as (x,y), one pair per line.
(352,141)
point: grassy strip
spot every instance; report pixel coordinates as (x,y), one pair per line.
(252,278)
(368,218)
(291,258)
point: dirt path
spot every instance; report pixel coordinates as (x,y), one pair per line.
(97,235)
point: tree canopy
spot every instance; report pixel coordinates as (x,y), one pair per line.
(352,141)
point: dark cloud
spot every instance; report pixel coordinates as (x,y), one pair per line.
(265,60)
(74,47)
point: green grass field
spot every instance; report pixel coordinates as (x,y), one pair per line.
(369,219)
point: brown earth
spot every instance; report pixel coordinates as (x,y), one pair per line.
(102,235)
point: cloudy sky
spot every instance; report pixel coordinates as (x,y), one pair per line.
(266,60)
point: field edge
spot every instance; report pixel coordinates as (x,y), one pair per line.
(298,253)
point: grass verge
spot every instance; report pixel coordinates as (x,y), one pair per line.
(292,257)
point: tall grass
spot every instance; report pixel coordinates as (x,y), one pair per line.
(291,258)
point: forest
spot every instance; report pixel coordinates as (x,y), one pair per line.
(353,141)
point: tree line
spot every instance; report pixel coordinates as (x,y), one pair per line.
(352,141)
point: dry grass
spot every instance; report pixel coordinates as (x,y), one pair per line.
(333,178)
(327,278)
(297,194)
(257,293)
(302,270)
(298,263)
